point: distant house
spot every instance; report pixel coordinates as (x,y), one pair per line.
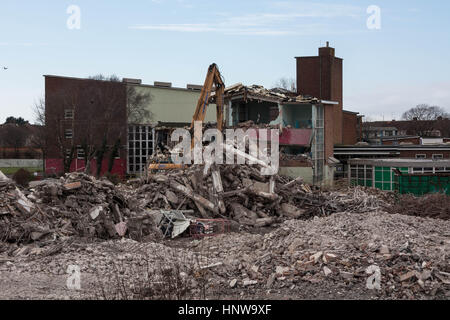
(398,132)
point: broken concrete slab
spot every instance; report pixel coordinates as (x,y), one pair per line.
(327,271)
(72,186)
(291,211)
(408,275)
(95,212)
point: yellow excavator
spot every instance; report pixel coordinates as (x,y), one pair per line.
(213,82)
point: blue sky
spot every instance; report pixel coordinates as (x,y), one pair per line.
(386,71)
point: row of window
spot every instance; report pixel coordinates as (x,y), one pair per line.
(380,134)
(435,156)
(430,170)
(366,171)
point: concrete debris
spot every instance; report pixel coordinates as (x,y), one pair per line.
(95,212)
(327,271)
(75,205)
(407,276)
(333,252)
(300,239)
(384,249)
(281,270)
(249,282)
(246,197)
(259,92)
(274,261)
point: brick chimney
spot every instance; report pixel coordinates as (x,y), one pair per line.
(322,77)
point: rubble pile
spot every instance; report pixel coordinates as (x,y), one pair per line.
(76,204)
(240,193)
(319,203)
(342,256)
(277,94)
(433,205)
(374,255)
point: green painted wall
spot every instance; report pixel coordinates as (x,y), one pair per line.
(174,105)
(420,185)
(297,116)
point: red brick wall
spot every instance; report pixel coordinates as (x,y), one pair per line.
(337,95)
(55,166)
(321,77)
(308,76)
(99,111)
(350,134)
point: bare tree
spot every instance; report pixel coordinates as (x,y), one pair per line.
(137,105)
(96,135)
(425,112)
(287,84)
(98,131)
(39,138)
(39,112)
(112,78)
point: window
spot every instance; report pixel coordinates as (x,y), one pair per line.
(318,144)
(417,170)
(421,156)
(438,156)
(117,155)
(68,153)
(68,133)
(68,114)
(80,153)
(140,146)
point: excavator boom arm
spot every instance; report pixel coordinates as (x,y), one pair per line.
(213,78)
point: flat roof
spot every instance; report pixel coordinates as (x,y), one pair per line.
(348,111)
(397,137)
(402,162)
(127,83)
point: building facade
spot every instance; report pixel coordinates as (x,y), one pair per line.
(86,115)
(380,131)
(82,115)
(416,176)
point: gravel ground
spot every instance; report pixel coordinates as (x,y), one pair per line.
(323,258)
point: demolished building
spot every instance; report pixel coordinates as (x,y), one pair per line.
(82,113)
(301,120)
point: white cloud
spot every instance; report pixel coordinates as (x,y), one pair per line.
(21,44)
(319,10)
(230,30)
(287,19)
